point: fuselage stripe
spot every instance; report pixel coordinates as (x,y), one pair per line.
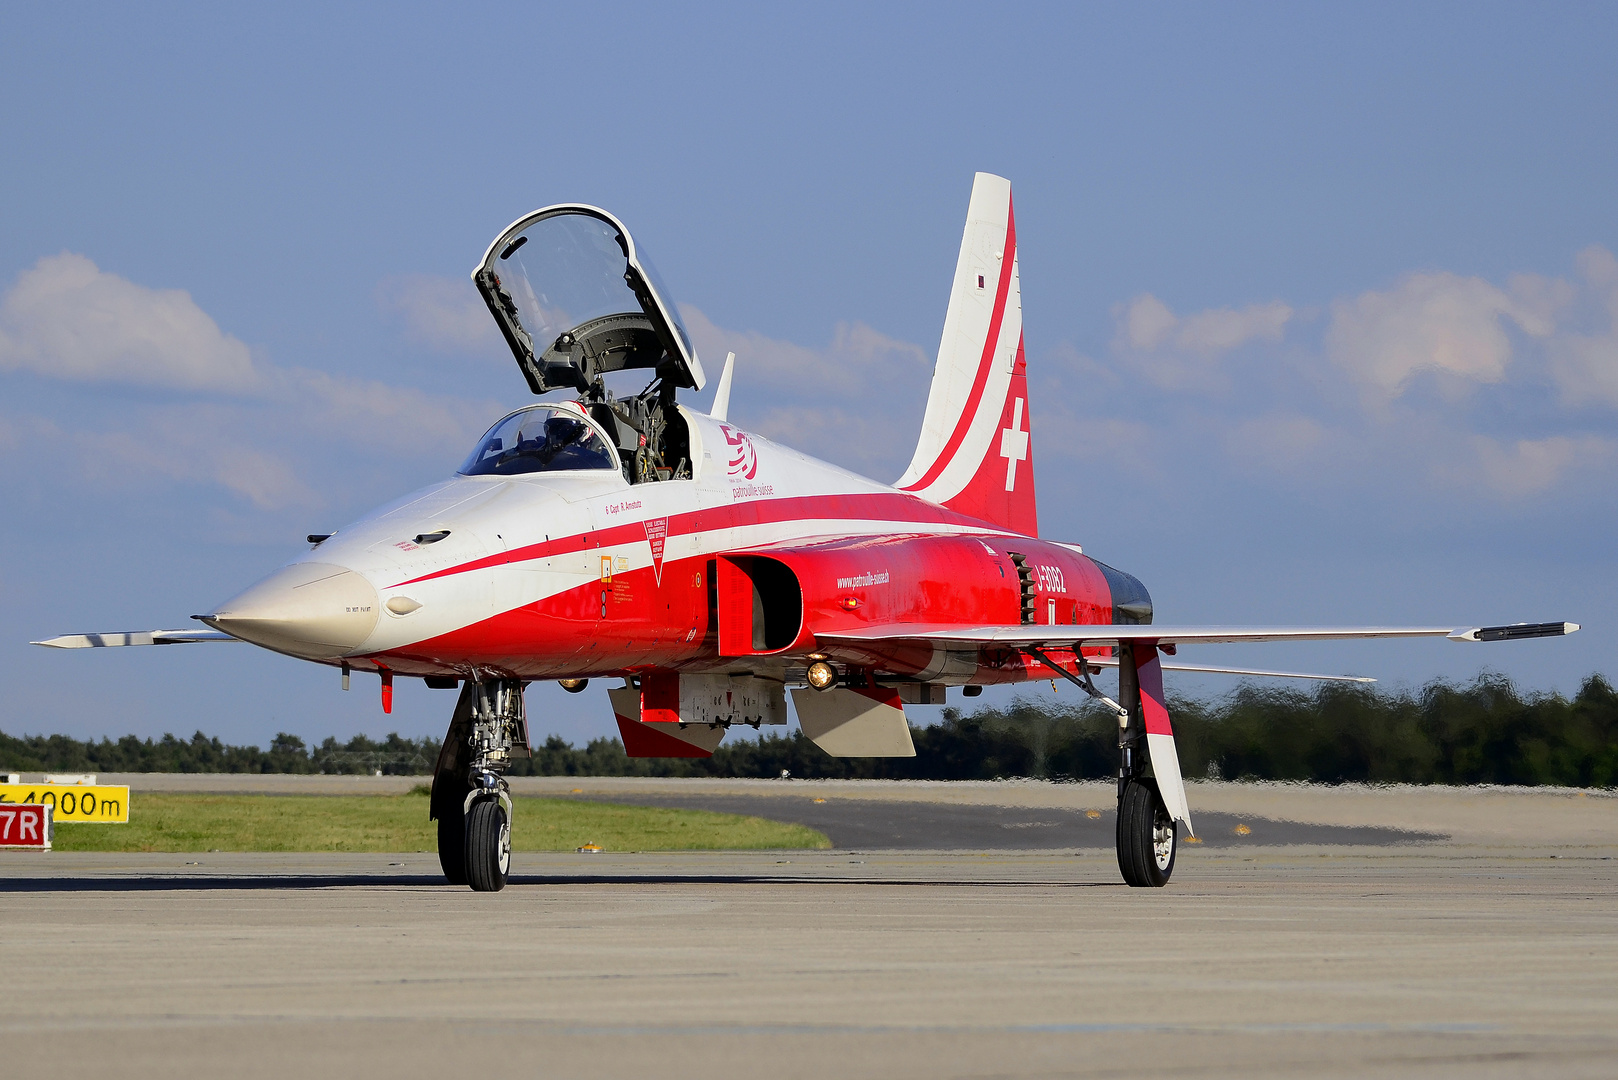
(870,506)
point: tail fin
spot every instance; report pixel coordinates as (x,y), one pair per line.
(975,455)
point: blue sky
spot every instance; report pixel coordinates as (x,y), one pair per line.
(1320,300)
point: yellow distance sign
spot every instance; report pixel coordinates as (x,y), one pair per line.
(74,802)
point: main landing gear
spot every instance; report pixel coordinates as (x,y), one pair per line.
(471,799)
(1148,837)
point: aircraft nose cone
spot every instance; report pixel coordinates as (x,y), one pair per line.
(320,611)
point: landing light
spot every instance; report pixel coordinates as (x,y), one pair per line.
(573,686)
(821,675)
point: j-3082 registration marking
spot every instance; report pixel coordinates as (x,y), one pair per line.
(1049,578)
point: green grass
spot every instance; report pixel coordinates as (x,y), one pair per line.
(164,822)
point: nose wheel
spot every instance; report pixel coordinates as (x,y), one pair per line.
(488,845)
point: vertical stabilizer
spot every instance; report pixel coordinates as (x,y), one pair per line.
(975,454)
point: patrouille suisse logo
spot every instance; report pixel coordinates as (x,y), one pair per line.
(743,461)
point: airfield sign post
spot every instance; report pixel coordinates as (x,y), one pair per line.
(26,826)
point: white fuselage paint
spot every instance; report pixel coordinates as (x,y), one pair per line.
(487,516)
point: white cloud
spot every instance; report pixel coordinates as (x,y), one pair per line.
(444,314)
(1177,352)
(1510,362)
(1145,323)
(1459,330)
(395,419)
(1065,360)
(307,431)
(67,319)
(856,351)
(1098,443)
(1441,323)
(1219,330)
(195,450)
(1585,366)
(133,453)
(857,402)
(858,399)
(1523,467)
(1600,270)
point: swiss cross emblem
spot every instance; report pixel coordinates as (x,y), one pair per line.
(1014,445)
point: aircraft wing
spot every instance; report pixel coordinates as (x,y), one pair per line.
(1068,636)
(919,646)
(1203,669)
(135,637)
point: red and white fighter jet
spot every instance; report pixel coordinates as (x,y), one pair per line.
(710,569)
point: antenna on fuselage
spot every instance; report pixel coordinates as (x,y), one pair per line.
(721,396)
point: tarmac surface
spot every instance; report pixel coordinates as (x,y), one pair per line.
(889,825)
(1491,951)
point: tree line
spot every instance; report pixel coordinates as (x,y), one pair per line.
(1483,732)
(395,755)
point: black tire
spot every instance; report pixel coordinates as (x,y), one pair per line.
(1148,839)
(488,846)
(452,846)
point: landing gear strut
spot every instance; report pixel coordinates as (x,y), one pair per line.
(471,799)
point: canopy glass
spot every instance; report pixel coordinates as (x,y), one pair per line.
(575,300)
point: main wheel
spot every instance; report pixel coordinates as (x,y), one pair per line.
(452,846)
(1147,837)
(488,846)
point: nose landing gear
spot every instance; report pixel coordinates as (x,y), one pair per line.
(471,799)
(488,845)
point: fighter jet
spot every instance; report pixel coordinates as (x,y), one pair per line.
(708,570)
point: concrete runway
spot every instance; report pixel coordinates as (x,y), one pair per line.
(1492,953)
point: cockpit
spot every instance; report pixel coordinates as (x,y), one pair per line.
(576,301)
(540,438)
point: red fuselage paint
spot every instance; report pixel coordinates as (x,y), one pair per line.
(667,617)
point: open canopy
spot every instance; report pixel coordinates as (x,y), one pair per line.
(575,299)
